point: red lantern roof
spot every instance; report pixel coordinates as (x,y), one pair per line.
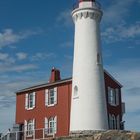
(86,0)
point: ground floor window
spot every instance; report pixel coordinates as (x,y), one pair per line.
(114,121)
(29,127)
(51,125)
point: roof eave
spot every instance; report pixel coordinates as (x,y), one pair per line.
(44,85)
(113,78)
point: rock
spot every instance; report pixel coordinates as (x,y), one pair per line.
(102,135)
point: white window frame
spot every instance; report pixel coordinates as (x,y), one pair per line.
(46,125)
(118,122)
(112,122)
(117,96)
(29,127)
(113,96)
(30,101)
(99,59)
(51,97)
(51,125)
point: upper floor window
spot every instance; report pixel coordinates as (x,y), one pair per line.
(113,96)
(30,101)
(29,127)
(51,97)
(51,125)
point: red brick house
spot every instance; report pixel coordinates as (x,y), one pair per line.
(46,108)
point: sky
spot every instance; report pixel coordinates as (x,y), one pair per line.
(36,35)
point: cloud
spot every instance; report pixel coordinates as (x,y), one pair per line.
(21,55)
(68,44)
(8,87)
(65,18)
(117,11)
(121,32)
(25,67)
(127,71)
(133,122)
(3,56)
(17,68)
(42,56)
(134,91)
(10,63)
(9,37)
(7,116)
(6,102)
(69,57)
(5,59)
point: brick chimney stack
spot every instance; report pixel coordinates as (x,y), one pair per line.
(55,75)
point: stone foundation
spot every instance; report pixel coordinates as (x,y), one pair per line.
(102,135)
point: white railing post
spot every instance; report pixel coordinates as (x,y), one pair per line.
(8,136)
(24,135)
(16,135)
(43,133)
(34,134)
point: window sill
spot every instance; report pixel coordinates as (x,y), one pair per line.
(30,108)
(99,63)
(115,105)
(51,105)
(28,136)
(76,97)
(51,134)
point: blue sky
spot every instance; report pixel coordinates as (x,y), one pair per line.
(37,35)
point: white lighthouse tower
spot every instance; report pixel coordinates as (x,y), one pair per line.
(88,106)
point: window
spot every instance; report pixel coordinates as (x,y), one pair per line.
(30,101)
(51,97)
(98,59)
(113,96)
(29,127)
(112,122)
(117,100)
(75,91)
(51,125)
(118,122)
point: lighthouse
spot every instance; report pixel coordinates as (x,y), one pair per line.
(88,103)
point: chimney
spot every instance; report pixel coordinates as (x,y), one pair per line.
(55,75)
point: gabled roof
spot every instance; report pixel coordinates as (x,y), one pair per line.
(45,85)
(105,71)
(60,82)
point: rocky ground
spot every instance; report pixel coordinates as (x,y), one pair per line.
(104,135)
